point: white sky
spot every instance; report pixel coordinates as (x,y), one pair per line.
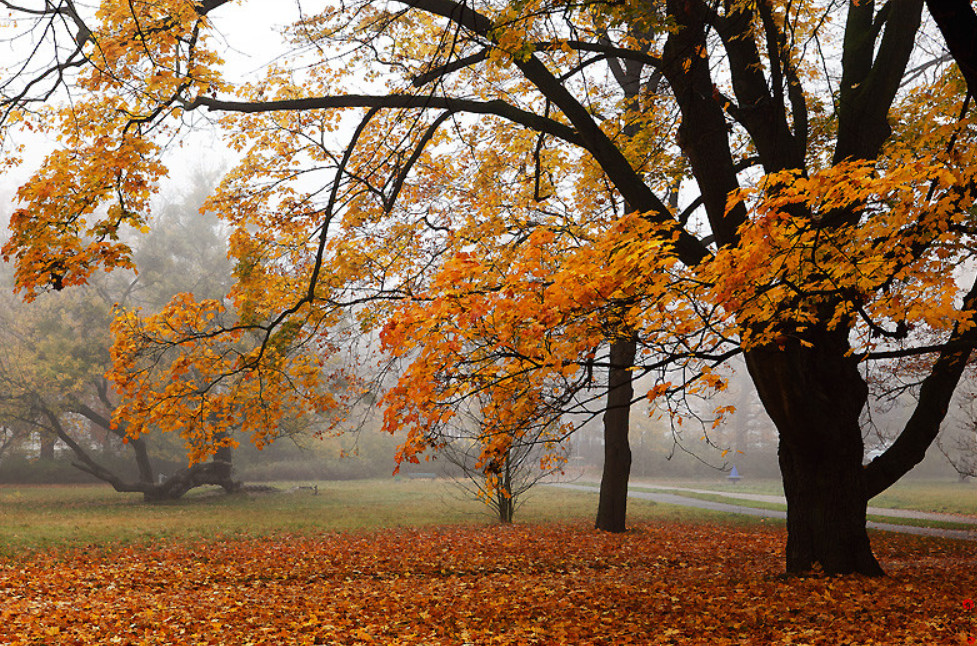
(248,34)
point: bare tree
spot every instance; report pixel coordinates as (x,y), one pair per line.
(502,483)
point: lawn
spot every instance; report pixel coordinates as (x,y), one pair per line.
(387,562)
(44,517)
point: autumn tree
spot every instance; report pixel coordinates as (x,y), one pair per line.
(499,208)
(56,351)
(12,436)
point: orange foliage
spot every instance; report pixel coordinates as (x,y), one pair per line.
(670,584)
(472,210)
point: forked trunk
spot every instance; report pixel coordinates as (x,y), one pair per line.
(613,506)
(815,396)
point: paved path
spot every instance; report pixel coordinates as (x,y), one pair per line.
(685,501)
(875,511)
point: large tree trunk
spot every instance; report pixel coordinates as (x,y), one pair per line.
(957,21)
(613,505)
(224,457)
(216,472)
(815,396)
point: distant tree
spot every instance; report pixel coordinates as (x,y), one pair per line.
(12,436)
(958,439)
(55,352)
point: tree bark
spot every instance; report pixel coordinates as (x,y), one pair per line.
(815,396)
(613,504)
(216,472)
(957,21)
(504,495)
(47,446)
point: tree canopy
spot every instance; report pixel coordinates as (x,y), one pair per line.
(520,198)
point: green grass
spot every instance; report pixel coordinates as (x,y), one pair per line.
(759,504)
(945,497)
(766,486)
(920,495)
(40,517)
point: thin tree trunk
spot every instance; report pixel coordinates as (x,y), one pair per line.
(613,505)
(815,396)
(503,493)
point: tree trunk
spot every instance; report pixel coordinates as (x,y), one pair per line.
(613,505)
(224,458)
(504,494)
(815,396)
(216,472)
(957,21)
(47,446)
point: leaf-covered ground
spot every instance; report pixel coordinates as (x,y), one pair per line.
(558,584)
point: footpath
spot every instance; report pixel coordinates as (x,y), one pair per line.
(733,508)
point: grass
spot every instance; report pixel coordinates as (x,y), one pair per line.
(40,517)
(766,486)
(760,504)
(945,497)
(948,496)
(951,497)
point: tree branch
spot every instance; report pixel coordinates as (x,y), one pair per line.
(626,180)
(935,393)
(495,107)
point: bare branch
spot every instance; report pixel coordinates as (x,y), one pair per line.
(395,101)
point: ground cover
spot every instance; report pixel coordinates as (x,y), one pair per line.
(671,583)
(948,497)
(45,517)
